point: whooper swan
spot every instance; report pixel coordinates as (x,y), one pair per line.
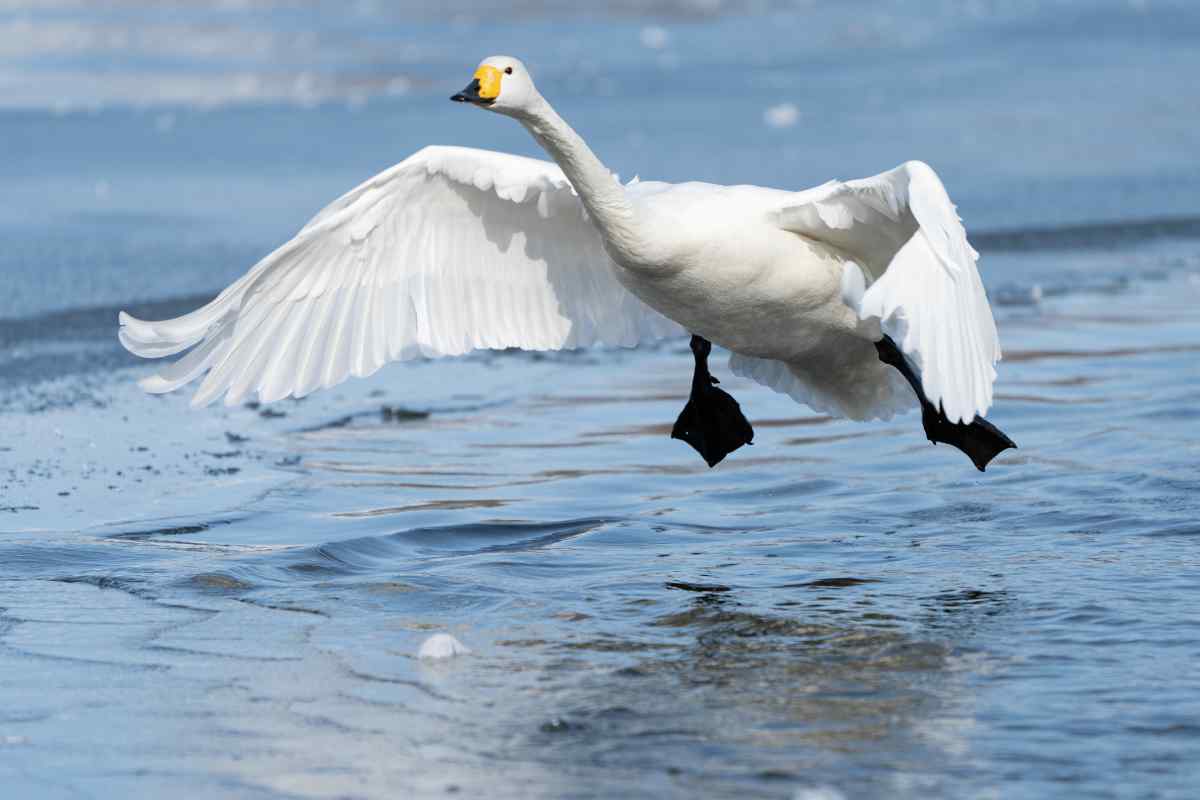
(858,299)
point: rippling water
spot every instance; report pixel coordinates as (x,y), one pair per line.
(229,602)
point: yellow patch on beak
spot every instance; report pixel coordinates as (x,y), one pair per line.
(489,82)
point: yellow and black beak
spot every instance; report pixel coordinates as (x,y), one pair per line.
(471,95)
(483,90)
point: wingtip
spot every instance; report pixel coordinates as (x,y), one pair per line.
(199,401)
(135,329)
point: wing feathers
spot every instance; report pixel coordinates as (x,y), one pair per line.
(451,250)
(924,288)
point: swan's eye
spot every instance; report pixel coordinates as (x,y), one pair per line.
(508,70)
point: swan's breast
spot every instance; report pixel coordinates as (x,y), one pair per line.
(720,267)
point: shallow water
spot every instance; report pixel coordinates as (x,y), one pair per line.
(229,602)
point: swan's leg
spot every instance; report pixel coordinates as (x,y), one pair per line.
(980,440)
(712,420)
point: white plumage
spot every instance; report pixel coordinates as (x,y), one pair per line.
(902,231)
(450,251)
(456,249)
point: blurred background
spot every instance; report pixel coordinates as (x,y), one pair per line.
(228,602)
(214,129)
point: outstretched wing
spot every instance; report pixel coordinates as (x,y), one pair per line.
(914,273)
(451,250)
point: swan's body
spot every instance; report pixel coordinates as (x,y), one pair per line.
(456,249)
(733,276)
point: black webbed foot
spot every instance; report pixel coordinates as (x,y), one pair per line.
(980,440)
(712,421)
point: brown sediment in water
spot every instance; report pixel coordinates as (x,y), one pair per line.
(1019,356)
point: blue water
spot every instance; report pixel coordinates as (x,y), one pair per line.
(229,602)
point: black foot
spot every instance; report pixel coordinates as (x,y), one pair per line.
(712,421)
(980,440)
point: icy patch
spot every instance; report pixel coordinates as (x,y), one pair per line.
(442,645)
(82,452)
(784,115)
(819,793)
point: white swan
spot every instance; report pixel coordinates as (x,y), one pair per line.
(455,249)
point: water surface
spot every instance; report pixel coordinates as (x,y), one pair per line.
(229,602)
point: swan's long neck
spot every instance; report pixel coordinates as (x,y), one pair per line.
(602,194)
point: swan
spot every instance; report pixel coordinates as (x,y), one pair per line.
(860,299)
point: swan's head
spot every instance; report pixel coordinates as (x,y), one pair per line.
(500,84)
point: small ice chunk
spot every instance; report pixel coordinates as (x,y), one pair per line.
(654,37)
(819,793)
(784,115)
(442,645)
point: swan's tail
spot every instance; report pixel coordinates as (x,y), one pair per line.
(847,382)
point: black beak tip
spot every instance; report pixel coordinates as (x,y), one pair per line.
(469,94)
